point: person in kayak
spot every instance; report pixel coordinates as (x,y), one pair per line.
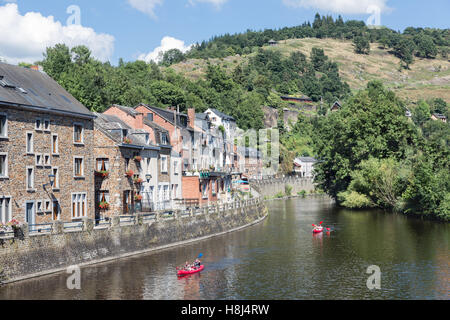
(197,263)
(187,266)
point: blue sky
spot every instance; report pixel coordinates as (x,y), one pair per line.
(132,29)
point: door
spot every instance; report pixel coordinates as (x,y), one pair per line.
(30,217)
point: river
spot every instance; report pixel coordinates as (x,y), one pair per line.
(278,259)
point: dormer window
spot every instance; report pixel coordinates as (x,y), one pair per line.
(164,139)
(150,116)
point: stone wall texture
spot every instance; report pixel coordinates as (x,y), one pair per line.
(270,187)
(43,254)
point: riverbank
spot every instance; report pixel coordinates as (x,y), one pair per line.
(43,254)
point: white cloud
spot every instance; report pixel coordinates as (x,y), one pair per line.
(146,6)
(167,43)
(23,38)
(216,3)
(340,6)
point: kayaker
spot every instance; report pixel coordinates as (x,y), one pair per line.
(197,263)
(187,266)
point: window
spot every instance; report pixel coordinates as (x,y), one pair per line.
(47,160)
(5,210)
(213,187)
(55,147)
(78,205)
(127,163)
(55,172)
(205,191)
(175,167)
(78,167)
(150,116)
(30,143)
(102,164)
(164,139)
(77,133)
(30,178)
(164,164)
(103,196)
(39,207)
(3,126)
(38,124)
(46,124)
(56,210)
(39,160)
(147,139)
(47,206)
(3,165)
(175,190)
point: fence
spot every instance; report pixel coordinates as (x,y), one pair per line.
(58,227)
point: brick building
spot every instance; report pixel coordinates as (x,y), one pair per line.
(46,150)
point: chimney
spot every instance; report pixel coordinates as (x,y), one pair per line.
(191,117)
(139,122)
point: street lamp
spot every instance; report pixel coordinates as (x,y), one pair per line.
(51,177)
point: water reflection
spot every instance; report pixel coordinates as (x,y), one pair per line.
(279,258)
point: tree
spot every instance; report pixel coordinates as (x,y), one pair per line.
(425,46)
(362,45)
(318,58)
(172,56)
(370,124)
(421,113)
(57,60)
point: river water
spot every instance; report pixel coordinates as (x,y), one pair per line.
(278,259)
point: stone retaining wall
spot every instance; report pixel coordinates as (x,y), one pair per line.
(270,187)
(40,254)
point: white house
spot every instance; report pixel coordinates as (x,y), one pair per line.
(221,119)
(304,167)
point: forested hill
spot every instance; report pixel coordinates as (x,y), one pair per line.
(252,74)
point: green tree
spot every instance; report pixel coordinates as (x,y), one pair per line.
(57,60)
(361,44)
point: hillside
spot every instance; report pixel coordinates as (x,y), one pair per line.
(427,78)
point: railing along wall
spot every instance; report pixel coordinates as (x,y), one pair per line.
(87,224)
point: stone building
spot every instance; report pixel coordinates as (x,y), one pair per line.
(126,170)
(46,150)
(162,192)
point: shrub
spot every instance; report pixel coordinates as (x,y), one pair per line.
(302,193)
(288,190)
(354,200)
(279,195)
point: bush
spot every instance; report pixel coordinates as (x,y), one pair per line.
(288,190)
(354,200)
(302,193)
(443,211)
(279,195)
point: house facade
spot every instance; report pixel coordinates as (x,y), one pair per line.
(304,167)
(46,150)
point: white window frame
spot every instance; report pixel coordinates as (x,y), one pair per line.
(39,163)
(5,217)
(49,158)
(5,175)
(57,144)
(164,168)
(32,142)
(46,120)
(59,209)
(47,205)
(82,167)
(56,181)
(82,133)
(5,135)
(32,188)
(39,206)
(175,167)
(78,195)
(41,126)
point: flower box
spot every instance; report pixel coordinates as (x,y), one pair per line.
(138,158)
(138,197)
(138,181)
(102,174)
(129,173)
(127,140)
(104,205)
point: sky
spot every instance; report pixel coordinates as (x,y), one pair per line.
(141,29)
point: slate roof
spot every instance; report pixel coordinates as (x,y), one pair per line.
(27,87)
(169,116)
(222,115)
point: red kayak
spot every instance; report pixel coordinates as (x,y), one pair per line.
(184,272)
(319,230)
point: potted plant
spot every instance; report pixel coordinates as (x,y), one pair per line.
(138,180)
(137,158)
(127,140)
(17,228)
(102,174)
(138,197)
(104,205)
(129,173)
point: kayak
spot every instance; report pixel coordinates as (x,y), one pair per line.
(184,272)
(319,230)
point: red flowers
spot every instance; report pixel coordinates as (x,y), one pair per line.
(129,173)
(103,174)
(104,205)
(138,158)
(138,197)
